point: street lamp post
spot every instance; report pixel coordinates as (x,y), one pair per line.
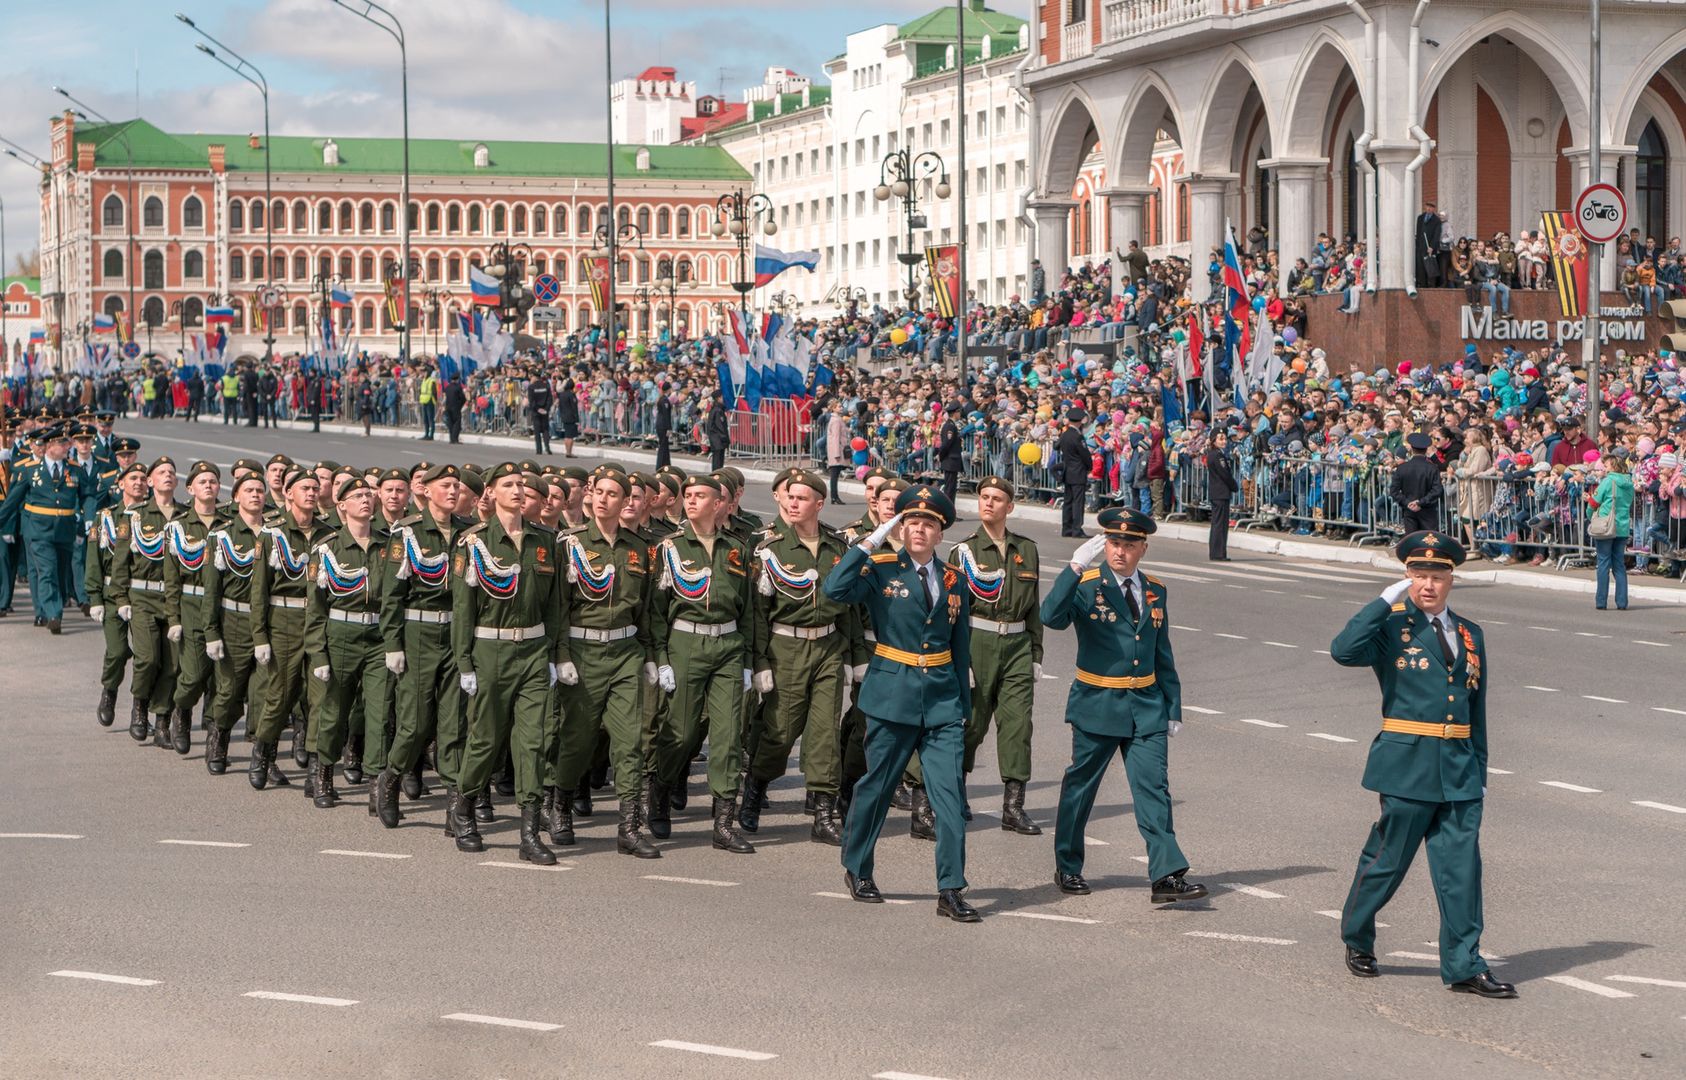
(248,71)
(179,313)
(396,29)
(129,213)
(898,176)
(609,241)
(5,340)
(435,301)
(34,161)
(738,215)
(669,276)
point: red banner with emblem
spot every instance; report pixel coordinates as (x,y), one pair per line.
(597,272)
(944,262)
(1568,261)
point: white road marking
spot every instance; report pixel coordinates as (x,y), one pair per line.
(1251,890)
(903,1076)
(1660,806)
(364,854)
(1417,956)
(1572,787)
(41,836)
(717,1051)
(1239,937)
(1606,700)
(846,896)
(501,1021)
(1139,858)
(525,866)
(1654,644)
(1274,592)
(1047,917)
(1227,585)
(1547,629)
(1337,915)
(1543,689)
(1500,772)
(1190,629)
(100,976)
(1588,633)
(1495,622)
(1260,723)
(1171,574)
(1641,980)
(302,999)
(1090,841)
(1232,637)
(1589,987)
(1327,737)
(1323,652)
(1309,596)
(204,843)
(690,880)
(1675,712)
(1281,644)
(1202,712)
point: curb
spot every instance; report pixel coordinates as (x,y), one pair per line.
(1263,543)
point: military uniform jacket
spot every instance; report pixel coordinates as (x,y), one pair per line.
(1127,683)
(702,588)
(1398,643)
(608,586)
(236,551)
(897,689)
(111,533)
(494,585)
(787,577)
(140,564)
(345,577)
(189,555)
(1005,588)
(40,507)
(418,555)
(1416,481)
(283,569)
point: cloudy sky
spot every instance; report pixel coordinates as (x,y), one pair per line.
(478,68)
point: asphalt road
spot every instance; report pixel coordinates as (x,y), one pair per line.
(705,964)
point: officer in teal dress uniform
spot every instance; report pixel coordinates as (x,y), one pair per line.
(915,695)
(1428,763)
(41,510)
(1127,699)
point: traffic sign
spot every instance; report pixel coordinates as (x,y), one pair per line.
(546,288)
(543,315)
(1601,213)
(131,350)
(271,296)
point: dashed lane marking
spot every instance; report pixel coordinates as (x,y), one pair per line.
(1309,596)
(1590,987)
(301,999)
(1643,981)
(1572,787)
(204,843)
(1189,629)
(1589,633)
(1323,652)
(846,896)
(1047,917)
(717,1051)
(1139,858)
(1227,585)
(1202,712)
(1281,645)
(502,1021)
(1232,637)
(1250,890)
(1248,938)
(1547,629)
(1660,806)
(1090,841)
(1606,700)
(1653,644)
(1260,723)
(1495,622)
(1543,689)
(1274,592)
(1500,772)
(41,836)
(525,866)
(1674,712)
(1327,737)
(1336,915)
(100,976)
(690,881)
(903,1076)
(1416,956)
(364,854)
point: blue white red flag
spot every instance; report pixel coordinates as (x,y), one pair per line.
(483,285)
(771,262)
(219,316)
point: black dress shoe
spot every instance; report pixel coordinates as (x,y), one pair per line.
(863,889)
(902,797)
(951,905)
(1171,888)
(1072,884)
(1361,964)
(582,800)
(55,626)
(1484,985)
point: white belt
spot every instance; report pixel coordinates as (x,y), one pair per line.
(706,629)
(585,633)
(806,633)
(235,605)
(193,590)
(286,601)
(418,615)
(361,618)
(997,627)
(146,586)
(509,633)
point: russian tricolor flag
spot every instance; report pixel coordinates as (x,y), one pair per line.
(483,285)
(1238,305)
(771,262)
(104,324)
(339,298)
(219,316)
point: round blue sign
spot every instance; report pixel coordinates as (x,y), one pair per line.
(546,288)
(131,350)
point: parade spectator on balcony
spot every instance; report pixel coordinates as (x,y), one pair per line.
(1428,247)
(1490,276)
(1532,258)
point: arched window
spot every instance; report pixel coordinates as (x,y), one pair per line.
(301,316)
(541,221)
(324,217)
(152,213)
(561,269)
(152,270)
(684,222)
(453,268)
(278,214)
(643,270)
(453,219)
(500,221)
(345,217)
(476,220)
(415,217)
(585,221)
(1354,201)
(366,319)
(257,215)
(433,268)
(623,216)
(644,220)
(559,222)
(1182,210)
(114,305)
(193,266)
(366,268)
(344,268)
(301,267)
(324,265)
(521,220)
(237,266)
(193,311)
(301,216)
(389,218)
(624,273)
(111,212)
(257,266)
(192,213)
(1650,184)
(152,312)
(682,271)
(664,221)
(113,264)
(366,218)
(433,217)
(237,216)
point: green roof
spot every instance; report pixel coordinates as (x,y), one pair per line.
(818,96)
(932,59)
(31,284)
(939,25)
(153,148)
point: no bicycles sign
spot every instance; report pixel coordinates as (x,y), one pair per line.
(1601,213)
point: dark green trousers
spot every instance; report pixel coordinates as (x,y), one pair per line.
(1453,833)
(1150,793)
(605,697)
(196,670)
(508,710)
(888,746)
(356,694)
(709,697)
(1002,694)
(50,576)
(285,676)
(805,704)
(155,654)
(241,681)
(430,702)
(117,652)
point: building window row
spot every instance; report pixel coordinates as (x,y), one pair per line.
(473,219)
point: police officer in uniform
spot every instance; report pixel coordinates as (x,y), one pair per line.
(540,398)
(1126,700)
(1416,487)
(1428,763)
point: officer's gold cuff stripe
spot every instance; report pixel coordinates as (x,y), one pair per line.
(50,511)
(1431,731)
(1116,682)
(913,659)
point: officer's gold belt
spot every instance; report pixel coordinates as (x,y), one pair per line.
(1116,682)
(1432,731)
(913,659)
(51,511)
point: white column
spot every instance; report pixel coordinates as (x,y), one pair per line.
(1126,209)
(1053,224)
(1392,260)
(1207,194)
(1296,186)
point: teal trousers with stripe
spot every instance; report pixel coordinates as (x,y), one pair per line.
(1145,766)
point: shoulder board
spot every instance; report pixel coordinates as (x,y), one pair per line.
(1089,575)
(827,530)
(672,534)
(574,531)
(1398,607)
(541,528)
(470,532)
(1151,580)
(413,519)
(886,557)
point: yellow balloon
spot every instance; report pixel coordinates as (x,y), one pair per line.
(1029,453)
(898,336)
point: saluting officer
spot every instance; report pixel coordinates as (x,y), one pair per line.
(111,534)
(1428,763)
(184,595)
(1127,698)
(137,579)
(915,695)
(236,551)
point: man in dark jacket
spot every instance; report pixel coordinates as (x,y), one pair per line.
(455,399)
(664,428)
(540,397)
(1221,488)
(267,386)
(1428,247)
(949,457)
(716,431)
(249,395)
(1075,465)
(1416,487)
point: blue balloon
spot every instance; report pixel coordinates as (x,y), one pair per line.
(1258,303)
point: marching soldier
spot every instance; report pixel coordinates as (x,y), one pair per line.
(111,534)
(40,510)
(184,596)
(1127,698)
(10,552)
(915,696)
(236,551)
(1428,763)
(137,579)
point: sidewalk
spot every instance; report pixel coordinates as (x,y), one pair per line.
(1663,591)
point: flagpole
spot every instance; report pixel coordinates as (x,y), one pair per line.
(612,226)
(960,189)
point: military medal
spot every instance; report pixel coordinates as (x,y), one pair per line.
(1400,663)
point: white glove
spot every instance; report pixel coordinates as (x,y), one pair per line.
(263,654)
(1036,672)
(395,662)
(214,650)
(1088,553)
(173,633)
(470,685)
(1483,791)
(664,678)
(567,674)
(1173,727)
(859,673)
(321,673)
(650,674)
(124,612)
(876,537)
(6,539)
(972,680)
(848,676)
(748,679)
(554,674)
(764,682)
(97,613)
(1395,592)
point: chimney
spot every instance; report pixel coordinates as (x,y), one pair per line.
(254,142)
(85,157)
(219,157)
(642,161)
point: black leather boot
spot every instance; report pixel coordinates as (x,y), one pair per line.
(557,818)
(463,826)
(532,848)
(582,799)
(629,838)
(599,777)
(257,769)
(323,775)
(659,820)
(750,816)
(301,740)
(310,776)
(161,731)
(450,820)
(353,761)
(413,787)
(924,823)
(139,724)
(902,797)
(216,750)
(825,829)
(678,795)
(385,793)
(726,835)
(183,731)
(106,714)
(483,808)
(277,778)
(1013,817)
(809,803)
